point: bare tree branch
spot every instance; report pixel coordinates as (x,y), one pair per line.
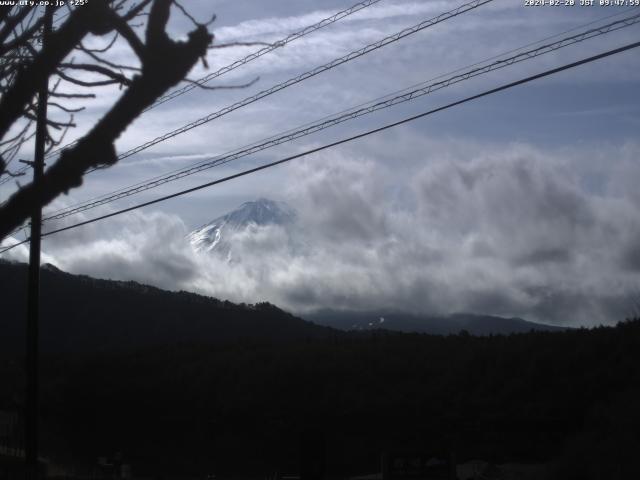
(51,123)
(55,142)
(88,67)
(186,13)
(165,63)
(23,38)
(65,109)
(100,50)
(12,21)
(72,95)
(129,35)
(83,83)
(136,10)
(17,137)
(60,44)
(106,62)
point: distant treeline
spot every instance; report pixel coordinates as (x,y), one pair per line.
(566,397)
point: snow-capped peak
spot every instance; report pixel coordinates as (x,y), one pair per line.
(214,234)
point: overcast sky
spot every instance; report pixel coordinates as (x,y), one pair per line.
(522,203)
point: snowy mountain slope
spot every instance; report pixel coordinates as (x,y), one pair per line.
(215,235)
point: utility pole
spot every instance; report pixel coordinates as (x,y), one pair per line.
(33,295)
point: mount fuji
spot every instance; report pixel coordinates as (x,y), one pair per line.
(215,235)
(217,238)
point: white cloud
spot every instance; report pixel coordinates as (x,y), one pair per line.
(509,231)
(399,220)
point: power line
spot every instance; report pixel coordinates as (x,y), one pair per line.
(263,51)
(406,95)
(251,57)
(366,103)
(228,68)
(288,39)
(304,76)
(344,140)
(353,113)
(311,73)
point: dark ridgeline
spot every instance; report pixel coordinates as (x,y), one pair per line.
(319,401)
(414,323)
(84,314)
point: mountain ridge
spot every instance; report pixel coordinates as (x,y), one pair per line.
(474,324)
(81,313)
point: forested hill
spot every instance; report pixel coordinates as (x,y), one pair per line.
(81,314)
(565,399)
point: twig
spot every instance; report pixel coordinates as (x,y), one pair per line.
(221,87)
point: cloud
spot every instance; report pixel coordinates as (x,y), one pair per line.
(282,26)
(148,248)
(509,231)
(21,252)
(402,220)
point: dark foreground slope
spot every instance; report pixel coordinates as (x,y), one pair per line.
(130,374)
(568,399)
(82,314)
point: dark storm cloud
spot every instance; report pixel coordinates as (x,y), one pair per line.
(630,257)
(519,210)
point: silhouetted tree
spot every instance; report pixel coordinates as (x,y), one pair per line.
(26,63)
